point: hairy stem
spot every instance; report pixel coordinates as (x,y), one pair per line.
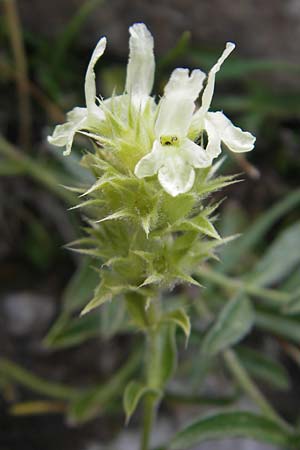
(151,362)
(148,420)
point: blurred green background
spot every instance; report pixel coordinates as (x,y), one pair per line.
(46,351)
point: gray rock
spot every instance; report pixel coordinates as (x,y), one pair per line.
(27,314)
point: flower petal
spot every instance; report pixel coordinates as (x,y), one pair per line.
(213,147)
(209,89)
(233,137)
(176,175)
(149,164)
(141,64)
(177,106)
(63,135)
(90,83)
(195,155)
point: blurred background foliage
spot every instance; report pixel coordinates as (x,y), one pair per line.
(64,375)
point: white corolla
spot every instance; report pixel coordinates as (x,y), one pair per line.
(139,82)
(174,156)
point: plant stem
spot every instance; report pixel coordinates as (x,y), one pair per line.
(17,44)
(148,420)
(16,373)
(152,360)
(250,388)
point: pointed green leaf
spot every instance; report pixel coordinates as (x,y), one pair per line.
(183,277)
(100,183)
(181,319)
(90,202)
(122,214)
(103,294)
(216,184)
(234,322)
(68,331)
(155,278)
(95,302)
(133,394)
(280,259)
(200,224)
(232,424)
(146,220)
(73,332)
(260,227)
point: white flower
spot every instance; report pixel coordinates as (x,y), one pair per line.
(81,118)
(139,82)
(217,126)
(174,155)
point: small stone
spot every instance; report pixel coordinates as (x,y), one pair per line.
(27,313)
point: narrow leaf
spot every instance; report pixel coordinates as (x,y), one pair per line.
(73,331)
(133,394)
(200,224)
(103,294)
(155,278)
(180,318)
(260,227)
(280,259)
(233,323)
(228,425)
(122,214)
